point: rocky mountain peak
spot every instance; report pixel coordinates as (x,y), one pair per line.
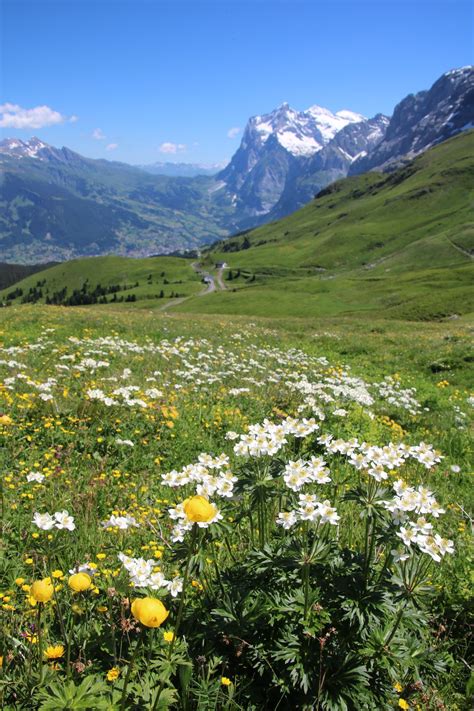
(423,119)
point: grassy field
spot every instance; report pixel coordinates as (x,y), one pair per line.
(143,279)
(118,416)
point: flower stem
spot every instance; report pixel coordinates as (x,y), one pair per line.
(123,700)
(181,606)
(398,619)
(40,643)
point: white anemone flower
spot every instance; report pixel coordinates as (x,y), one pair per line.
(44,521)
(64,520)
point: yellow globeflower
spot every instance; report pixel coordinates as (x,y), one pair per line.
(54,651)
(113,674)
(5,420)
(79,582)
(168,636)
(42,590)
(198,509)
(225,681)
(149,611)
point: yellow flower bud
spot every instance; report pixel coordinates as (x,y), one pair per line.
(149,611)
(79,582)
(198,509)
(42,590)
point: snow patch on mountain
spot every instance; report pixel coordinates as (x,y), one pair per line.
(301,133)
(23,149)
(328,123)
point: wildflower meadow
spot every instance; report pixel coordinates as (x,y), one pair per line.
(233,514)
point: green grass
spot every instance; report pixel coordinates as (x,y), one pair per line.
(73,441)
(123,271)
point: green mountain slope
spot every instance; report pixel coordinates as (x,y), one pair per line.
(397,244)
(107,280)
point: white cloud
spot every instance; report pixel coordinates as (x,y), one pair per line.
(14,116)
(111,146)
(98,135)
(233,132)
(168,147)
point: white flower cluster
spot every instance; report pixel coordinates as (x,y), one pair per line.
(147,574)
(330,388)
(298,473)
(35,476)
(268,438)
(125,395)
(409,499)
(391,390)
(419,532)
(61,519)
(376,460)
(210,476)
(309,509)
(91,365)
(120,522)
(184,525)
(44,389)
(124,442)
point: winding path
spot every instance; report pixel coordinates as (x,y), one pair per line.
(210,286)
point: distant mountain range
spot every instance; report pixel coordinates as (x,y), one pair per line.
(183,170)
(56,204)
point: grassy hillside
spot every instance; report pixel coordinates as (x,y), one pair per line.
(140,279)
(398,245)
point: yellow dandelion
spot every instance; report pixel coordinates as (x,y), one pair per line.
(54,651)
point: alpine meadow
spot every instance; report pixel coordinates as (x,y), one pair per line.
(236,383)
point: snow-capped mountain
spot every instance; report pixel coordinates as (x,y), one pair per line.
(40,151)
(421,120)
(300,133)
(31,148)
(275,151)
(332,162)
(329,124)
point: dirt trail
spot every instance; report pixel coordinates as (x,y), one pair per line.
(208,280)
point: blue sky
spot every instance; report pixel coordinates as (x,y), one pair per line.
(149,80)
